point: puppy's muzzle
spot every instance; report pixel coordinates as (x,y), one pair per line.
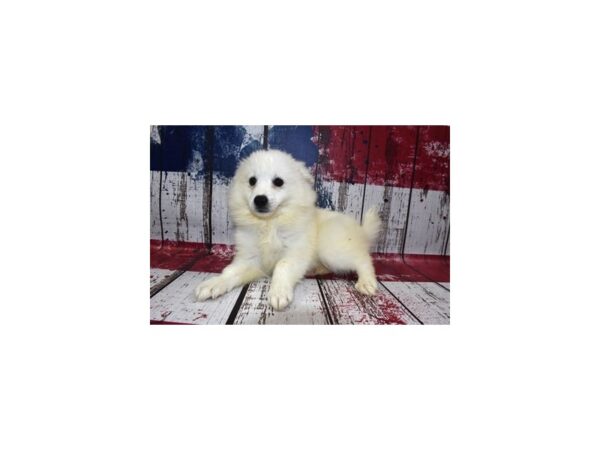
(261,203)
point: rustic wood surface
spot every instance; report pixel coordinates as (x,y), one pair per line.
(316,302)
(427,301)
(177,302)
(343,197)
(157,276)
(155,198)
(340,172)
(428,225)
(428,222)
(392,204)
(348,306)
(221,224)
(182,207)
(307,308)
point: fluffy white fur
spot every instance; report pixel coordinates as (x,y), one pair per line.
(289,236)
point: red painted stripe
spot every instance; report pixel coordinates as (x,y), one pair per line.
(392,156)
(219,258)
(432,168)
(389,267)
(433,267)
(174,255)
(343,152)
(390,150)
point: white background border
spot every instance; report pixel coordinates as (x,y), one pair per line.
(518,84)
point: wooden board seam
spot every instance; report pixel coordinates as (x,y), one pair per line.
(399,301)
(324,300)
(362,209)
(238,304)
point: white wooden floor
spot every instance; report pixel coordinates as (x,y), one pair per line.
(316,301)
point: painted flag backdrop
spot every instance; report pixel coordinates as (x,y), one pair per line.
(404,171)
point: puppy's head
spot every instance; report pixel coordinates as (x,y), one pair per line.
(270,180)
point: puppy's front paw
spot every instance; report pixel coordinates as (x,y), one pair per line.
(366,285)
(280,296)
(211,288)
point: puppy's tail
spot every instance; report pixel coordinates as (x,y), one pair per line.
(371,224)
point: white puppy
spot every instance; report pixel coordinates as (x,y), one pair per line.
(281,233)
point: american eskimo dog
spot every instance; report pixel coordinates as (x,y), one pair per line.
(282,234)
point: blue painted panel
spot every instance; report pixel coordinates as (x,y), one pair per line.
(196,148)
(296,140)
(180,149)
(231,145)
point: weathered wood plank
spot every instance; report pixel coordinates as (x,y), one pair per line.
(157,276)
(346,198)
(428,301)
(155,225)
(222,225)
(446,285)
(177,302)
(392,204)
(389,175)
(428,222)
(307,308)
(341,168)
(182,207)
(347,306)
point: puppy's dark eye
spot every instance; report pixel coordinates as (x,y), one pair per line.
(278,182)
(252,181)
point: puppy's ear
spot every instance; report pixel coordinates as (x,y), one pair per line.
(306,175)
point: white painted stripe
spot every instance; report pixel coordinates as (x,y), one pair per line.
(182,207)
(159,275)
(306,308)
(222,226)
(154,205)
(428,301)
(346,197)
(392,203)
(428,222)
(177,302)
(426,233)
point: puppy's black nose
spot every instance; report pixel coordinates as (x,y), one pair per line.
(261,201)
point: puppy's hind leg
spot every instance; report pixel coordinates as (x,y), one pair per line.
(367,283)
(356,259)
